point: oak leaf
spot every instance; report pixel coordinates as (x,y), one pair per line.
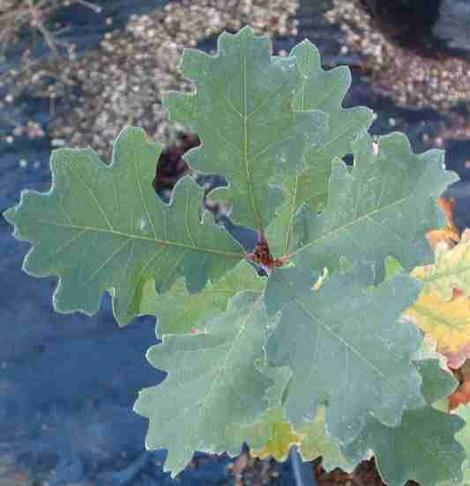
(242,110)
(102,227)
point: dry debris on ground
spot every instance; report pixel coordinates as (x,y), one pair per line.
(18,14)
(411,79)
(122,82)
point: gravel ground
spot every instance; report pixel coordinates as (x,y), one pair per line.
(122,81)
(423,78)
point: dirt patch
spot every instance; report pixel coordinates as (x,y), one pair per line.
(412,77)
(18,16)
(122,82)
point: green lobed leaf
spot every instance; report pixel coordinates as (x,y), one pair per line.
(103,228)
(381,207)
(272,435)
(317,442)
(423,447)
(179,311)
(437,383)
(213,381)
(345,346)
(463,437)
(317,89)
(242,111)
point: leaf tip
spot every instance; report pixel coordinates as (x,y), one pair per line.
(137,133)
(247,31)
(306,48)
(9,214)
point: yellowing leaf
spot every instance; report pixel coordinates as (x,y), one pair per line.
(461,396)
(443,308)
(451,270)
(450,234)
(272,435)
(279,436)
(447,321)
(316,442)
(444,235)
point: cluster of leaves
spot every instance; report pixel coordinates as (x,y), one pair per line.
(442,311)
(301,339)
(443,307)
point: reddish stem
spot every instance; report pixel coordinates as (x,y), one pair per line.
(262,255)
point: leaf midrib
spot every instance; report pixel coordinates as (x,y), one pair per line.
(142,238)
(292,211)
(238,336)
(293,207)
(349,223)
(323,324)
(245,148)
